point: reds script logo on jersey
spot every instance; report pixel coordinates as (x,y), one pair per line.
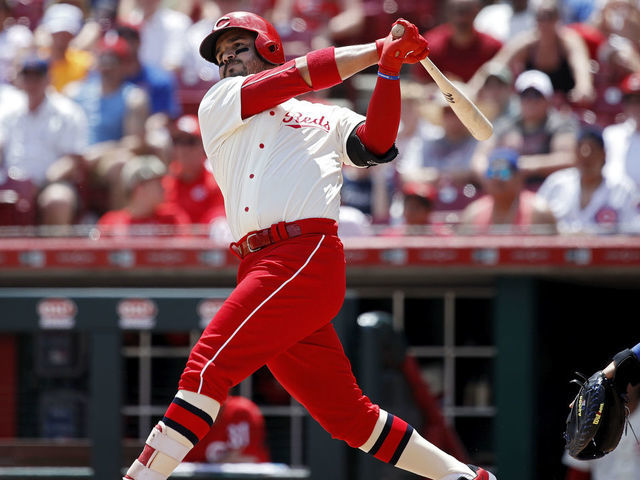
(299,120)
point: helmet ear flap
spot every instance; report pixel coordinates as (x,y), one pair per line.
(268,49)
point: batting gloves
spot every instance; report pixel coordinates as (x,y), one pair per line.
(410,47)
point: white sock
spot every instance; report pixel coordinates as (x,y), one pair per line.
(419,456)
(166,447)
(424,458)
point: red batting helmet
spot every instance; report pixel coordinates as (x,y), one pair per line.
(268,43)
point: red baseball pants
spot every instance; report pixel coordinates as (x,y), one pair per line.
(279,315)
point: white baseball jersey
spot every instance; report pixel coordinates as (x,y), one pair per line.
(613,206)
(283,164)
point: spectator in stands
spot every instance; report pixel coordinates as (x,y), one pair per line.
(443,156)
(196,69)
(357,191)
(506,207)
(619,18)
(146,210)
(44,128)
(159,84)
(623,463)
(413,124)
(189,184)
(162,33)
(505,19)
(457,48)
(237,436)
(37,134)
(15,39)
(544,137)
(419,199)
(496,98)
(115,108)
(614,58)
(413,209)
(62,22)
(379,15)
(554,49)
(583,200)
(622,140)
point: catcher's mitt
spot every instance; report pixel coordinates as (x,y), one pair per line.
(596,420)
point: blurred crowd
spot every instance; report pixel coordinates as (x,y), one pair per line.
(99,98)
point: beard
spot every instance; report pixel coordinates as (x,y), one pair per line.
(237,68)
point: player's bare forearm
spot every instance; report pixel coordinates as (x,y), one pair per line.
(349,60)
(355,58)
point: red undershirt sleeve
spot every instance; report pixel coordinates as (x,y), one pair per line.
(379,131)
(270,88)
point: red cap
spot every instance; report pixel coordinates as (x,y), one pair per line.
(112,43)
(420,189)
(630,84)
(189,125)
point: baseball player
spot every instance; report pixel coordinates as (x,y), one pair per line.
(278,163)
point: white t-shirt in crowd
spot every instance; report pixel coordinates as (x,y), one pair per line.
(613,206)
(32,141)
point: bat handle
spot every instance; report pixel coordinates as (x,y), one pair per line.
(397,31)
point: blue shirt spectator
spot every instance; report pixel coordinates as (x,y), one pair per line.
(114,107)
(160,84)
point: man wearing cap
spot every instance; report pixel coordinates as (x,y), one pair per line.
(36,134)
(43,129)
(142,180)
(584,200)
(278,162)
(544,137)
(622,140)
(418,200)
(189,183)
(506,207)
(63,22)
(114,107)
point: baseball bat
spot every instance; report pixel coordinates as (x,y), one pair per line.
(467,111)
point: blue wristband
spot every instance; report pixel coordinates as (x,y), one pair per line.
(388,77)
(636,350)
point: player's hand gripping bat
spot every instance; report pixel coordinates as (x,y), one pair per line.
(468,113)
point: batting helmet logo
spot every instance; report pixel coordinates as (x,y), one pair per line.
(221,23)
(268,43)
